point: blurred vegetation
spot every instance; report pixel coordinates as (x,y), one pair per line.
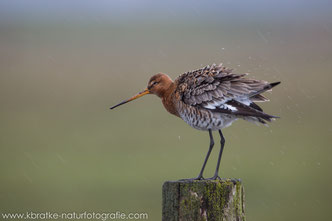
(62,149)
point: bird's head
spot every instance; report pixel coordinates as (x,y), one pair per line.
(158,85)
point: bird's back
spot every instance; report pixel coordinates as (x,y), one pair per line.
(217,90)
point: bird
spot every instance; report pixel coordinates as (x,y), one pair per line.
(210,99)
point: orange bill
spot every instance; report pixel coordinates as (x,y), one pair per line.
(140,94)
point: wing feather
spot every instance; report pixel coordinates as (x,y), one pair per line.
(213,86)
(237,108)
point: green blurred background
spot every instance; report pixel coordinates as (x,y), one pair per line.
(64,63)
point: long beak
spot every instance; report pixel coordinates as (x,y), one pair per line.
(140,94)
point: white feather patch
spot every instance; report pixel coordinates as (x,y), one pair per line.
(219,104)
(213,104)
(229,107)
(244,101)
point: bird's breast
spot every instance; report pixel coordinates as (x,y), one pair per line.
(170,105)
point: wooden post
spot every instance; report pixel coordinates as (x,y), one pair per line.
(208,200)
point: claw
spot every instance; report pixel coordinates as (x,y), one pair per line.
(192,179)
(214,178)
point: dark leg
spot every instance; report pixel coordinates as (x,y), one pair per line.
(207,155)
(222,143)
(200,175)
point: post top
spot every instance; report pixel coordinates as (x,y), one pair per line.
(222,180)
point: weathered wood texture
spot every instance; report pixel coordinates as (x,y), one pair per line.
(209,200)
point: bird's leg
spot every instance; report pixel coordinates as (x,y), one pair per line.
(222,143)
(207,155)
(200,175)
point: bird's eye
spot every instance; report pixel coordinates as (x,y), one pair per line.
(154,83)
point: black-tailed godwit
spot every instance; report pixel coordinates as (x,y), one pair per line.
(209,99)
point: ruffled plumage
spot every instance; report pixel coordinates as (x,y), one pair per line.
(217,89)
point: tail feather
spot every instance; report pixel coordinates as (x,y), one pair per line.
(255,106)
(258,98)
(245,111)
(266,88)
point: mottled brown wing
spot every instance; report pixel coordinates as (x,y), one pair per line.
(212,86)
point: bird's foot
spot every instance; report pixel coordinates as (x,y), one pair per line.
(192,179)
(215,177)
